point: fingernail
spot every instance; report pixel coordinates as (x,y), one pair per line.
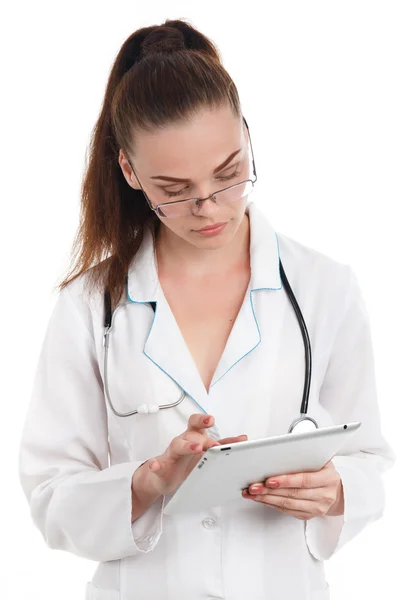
(206,420)
(256,489)
(273,483)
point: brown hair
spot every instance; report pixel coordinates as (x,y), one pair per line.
(162,74)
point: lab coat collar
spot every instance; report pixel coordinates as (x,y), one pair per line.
(143,283)
(165,345)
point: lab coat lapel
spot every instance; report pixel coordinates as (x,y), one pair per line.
(264,263)
(165,345)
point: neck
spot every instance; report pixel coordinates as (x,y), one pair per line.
(175,255)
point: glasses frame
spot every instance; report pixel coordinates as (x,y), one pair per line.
(158,207)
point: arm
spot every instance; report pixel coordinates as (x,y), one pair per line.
(78,502)
(348,393)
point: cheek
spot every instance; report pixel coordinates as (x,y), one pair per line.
(170,228)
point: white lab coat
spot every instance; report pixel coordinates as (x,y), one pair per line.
(77,458)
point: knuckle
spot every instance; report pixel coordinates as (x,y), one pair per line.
(210,443)
(293,492)
(286,503)
(328,499)
(187,436)
(179,443)
(173,442)
(175,445)
(306,480)
(193,420)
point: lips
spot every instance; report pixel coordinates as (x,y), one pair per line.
(209,227)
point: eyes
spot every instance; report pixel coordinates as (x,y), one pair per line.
(172,194)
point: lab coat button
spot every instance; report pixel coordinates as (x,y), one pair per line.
(209,523)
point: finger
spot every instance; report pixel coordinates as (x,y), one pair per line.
(257,488)
(181,447)
(287,504)
(233,440)
(197,422)
(298,514)
(196,437)
(307,506)
(209,443)
(299,493)
(308,480)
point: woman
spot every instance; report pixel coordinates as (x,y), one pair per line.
(223,331)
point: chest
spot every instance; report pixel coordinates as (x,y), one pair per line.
(252,385)
(205,312)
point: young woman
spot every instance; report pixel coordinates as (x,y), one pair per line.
(173,241)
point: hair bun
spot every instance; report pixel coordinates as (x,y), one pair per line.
(162,39)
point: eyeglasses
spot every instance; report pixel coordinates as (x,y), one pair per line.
(192,206)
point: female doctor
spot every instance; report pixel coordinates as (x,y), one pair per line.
(200,321)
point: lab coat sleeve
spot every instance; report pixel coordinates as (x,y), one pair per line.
(348,393)
(78,502)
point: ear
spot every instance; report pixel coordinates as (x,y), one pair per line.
(127,171)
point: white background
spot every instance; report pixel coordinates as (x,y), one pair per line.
(319,85)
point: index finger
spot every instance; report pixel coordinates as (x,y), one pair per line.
(198,421)
(313,479)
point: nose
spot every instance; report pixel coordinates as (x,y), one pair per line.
(206,206)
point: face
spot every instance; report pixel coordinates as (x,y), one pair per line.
(193,151)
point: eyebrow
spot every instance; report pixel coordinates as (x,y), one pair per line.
(219,168)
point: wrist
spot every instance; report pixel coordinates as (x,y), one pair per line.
(337,507)
(143,493)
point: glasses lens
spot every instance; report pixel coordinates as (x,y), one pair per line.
(193,206)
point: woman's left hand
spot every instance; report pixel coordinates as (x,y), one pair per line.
(303,495)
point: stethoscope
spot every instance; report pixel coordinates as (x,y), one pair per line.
(300,425)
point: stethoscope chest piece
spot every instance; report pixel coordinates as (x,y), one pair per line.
(302,425)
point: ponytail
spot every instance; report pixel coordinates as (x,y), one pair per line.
(161,75)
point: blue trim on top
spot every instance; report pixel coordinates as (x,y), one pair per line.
(148,335)
(235,363)
(255,319)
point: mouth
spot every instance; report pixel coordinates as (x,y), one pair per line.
(211,230)
(213,227)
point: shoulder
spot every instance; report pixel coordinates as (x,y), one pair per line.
(86,300)
(327,290)
(312,268)
(328,287)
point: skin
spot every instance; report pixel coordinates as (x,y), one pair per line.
(192,150)
(302,495)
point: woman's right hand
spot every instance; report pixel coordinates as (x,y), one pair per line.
(163,474)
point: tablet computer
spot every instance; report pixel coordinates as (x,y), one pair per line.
(224,471)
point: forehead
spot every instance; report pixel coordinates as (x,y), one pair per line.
(199,144)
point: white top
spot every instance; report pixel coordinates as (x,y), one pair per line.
(77,458)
